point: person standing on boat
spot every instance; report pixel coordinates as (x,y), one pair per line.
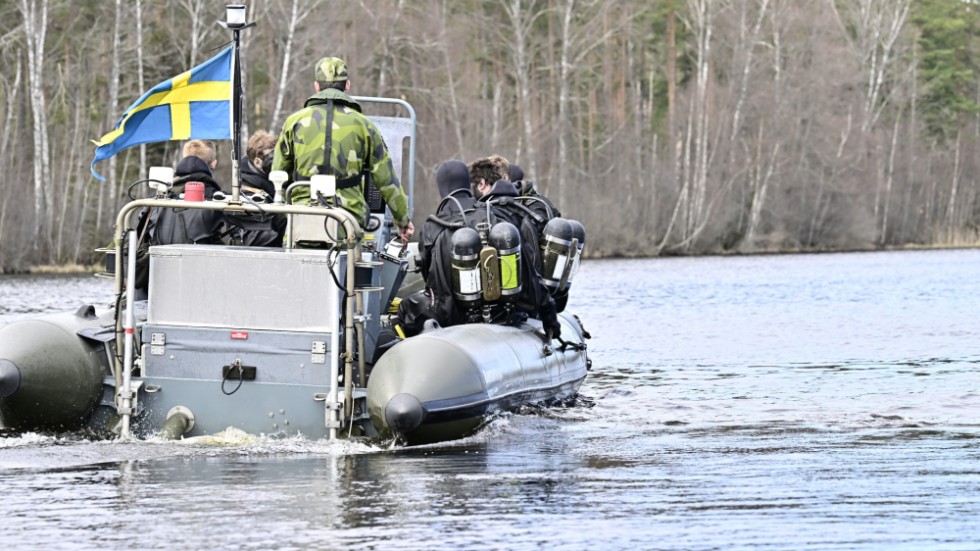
(331,136)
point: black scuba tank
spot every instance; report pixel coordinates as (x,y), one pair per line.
(578,239)
(506,239)
(466,267)
(557,253)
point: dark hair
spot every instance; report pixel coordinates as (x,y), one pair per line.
(337,85)
(489,169)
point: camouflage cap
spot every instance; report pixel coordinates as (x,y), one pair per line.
(331,69)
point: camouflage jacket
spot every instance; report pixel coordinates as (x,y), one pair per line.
(358,148)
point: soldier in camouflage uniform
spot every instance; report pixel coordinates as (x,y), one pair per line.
(357,149)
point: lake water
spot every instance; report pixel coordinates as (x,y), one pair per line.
(778,402)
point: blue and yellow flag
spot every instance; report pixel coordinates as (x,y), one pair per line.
(192,105)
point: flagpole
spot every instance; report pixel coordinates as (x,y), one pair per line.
(235,22)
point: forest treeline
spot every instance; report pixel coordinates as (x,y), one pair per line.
(665,126)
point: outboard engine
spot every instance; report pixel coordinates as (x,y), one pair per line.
(506,239)
(557,253)
(467,289)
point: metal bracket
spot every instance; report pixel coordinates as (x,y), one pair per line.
(158,343)
(134,407)
(318,353)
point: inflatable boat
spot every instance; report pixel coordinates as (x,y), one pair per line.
(275,341)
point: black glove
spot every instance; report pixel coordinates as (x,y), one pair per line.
(549,319)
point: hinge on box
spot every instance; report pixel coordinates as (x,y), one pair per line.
(318,354)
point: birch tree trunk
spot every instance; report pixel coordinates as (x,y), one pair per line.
(297,12)
(889,178)
(35,29)
(140,75)
(564,78)
(10,95)
(112,110)
(386,56)
(953,188)
(456,121)
(878,25)
(702,26)
(521,19)
(200,28)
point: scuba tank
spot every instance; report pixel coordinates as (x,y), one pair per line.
(506,239)
(557,253)
(578,239)
(465,253)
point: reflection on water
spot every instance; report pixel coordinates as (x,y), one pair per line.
(788,402)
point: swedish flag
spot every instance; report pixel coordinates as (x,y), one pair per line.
(192,105)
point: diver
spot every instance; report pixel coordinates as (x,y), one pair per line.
(436,301)
(547,211)
(497,206)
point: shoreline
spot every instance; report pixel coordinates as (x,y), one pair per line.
(68,269)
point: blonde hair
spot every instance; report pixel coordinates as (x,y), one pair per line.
(205,150)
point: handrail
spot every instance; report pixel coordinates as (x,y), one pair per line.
(353,234)
(411,140)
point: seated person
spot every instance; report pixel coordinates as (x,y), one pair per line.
(251,229)
(525,188)
(257,163)
(534,300)
(170,226)
(436,300)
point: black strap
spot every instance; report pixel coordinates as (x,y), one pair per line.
(328,140)
(326,167)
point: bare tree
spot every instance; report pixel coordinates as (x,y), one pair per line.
(35,29)
(299,9)
(114,75)
(522,16)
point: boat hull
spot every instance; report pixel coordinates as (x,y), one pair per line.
(441,384)
(51,375)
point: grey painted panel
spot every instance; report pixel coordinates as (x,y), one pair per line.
(255,408)
(200,352)
(273,289)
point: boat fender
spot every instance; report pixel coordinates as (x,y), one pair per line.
(506,239)
(404,413)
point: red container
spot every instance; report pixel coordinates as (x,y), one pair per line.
(194,191)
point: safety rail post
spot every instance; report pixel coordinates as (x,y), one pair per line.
(125,395)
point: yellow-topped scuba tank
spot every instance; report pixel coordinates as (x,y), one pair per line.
(506,239)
